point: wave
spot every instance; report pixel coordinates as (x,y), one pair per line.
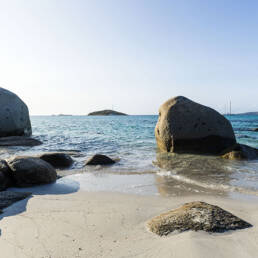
(214,186)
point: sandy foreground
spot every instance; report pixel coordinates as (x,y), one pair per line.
(100,224)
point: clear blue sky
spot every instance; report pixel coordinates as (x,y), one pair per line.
(77,56)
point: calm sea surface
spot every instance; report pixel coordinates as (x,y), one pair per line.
(141,169)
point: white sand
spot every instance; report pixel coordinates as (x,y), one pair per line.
(87,224)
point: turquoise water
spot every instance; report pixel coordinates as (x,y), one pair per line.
(130,140)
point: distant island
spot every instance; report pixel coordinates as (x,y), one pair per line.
(62,115)
(244,114)
(106,112)
(249,113)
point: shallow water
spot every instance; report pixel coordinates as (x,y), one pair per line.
(141,169)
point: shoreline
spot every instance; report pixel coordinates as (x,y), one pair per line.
(108,224)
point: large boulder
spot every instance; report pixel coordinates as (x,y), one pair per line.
(14,115)
(196,216)
(185,126)
(28,171)
(57,159)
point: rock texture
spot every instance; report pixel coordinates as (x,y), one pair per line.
(196,216)
(19,141)
(107,112)
(188,127)
(57,159)
(7,198)
(5,178)
(14,115)
(241,152)
(27,171)
(99,159)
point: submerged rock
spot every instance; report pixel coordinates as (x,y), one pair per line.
(196,216)
(241,152)
(19,141)
(255,129)
(28,171)
(57,159)
(5,178)
(14,115)
(188,127)
(7,198)
(99,159)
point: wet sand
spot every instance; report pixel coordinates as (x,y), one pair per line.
(105,224)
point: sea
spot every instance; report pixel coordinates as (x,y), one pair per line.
(140,167)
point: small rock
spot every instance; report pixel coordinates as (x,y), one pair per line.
(7,198)
(29,171)
(196,216)
(241,152)
(99,159)
(19,141)
(255,129)
(57,159)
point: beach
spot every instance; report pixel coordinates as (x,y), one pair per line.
(101,211)
(105,224)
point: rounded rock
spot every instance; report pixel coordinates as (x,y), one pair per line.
(29,171)
(57,160)
(99,159)
(14,115)
(185,126)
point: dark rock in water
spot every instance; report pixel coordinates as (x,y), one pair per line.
(57,159)
(107,112)
(19,141)
(28,171)
(99,159)
(255,129)
(7,198)
(5,178)
(196,216)
(14,115)
(241,152)
(188,127)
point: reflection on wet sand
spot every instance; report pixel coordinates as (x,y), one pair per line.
(184,174)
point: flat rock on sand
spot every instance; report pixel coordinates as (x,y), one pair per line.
(19,141)
(7,198)
(196,216)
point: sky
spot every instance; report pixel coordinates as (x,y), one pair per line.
(79,56)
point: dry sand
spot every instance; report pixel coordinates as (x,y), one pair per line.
(88,224)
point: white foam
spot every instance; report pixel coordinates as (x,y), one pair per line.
(218,187)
